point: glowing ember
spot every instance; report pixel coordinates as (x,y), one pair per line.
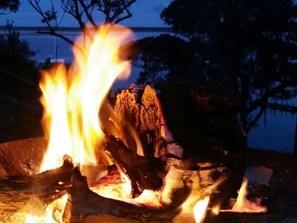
(52,214)
(243,204)
(193,209)
(122,192)
(216,209)
(72,99)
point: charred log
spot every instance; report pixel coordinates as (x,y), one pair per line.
(17,191)
(138,108)
(143,172)
(207,129)
(83,203)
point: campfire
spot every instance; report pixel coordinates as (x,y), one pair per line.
(108,162)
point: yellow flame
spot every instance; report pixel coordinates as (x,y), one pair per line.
(193,209)
(121,191)
(56,113)
(195,206)
(53,213)
(200,209)
(72,98)
(216,209)
(243,204)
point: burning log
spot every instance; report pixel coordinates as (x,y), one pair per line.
(83,203)
(17,191)
(143,172)
(139,109)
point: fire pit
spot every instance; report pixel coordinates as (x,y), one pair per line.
(118,162)
(23,157)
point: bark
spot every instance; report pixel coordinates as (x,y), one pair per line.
(137,110)
(143,172)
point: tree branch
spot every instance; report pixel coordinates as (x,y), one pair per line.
(125,8)
(278,89)
(80,8)
(89,16)
(262,101)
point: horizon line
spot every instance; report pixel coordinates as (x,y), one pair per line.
(73,29)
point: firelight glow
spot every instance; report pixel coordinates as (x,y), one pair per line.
(243,204)
(72,98)
(200,209)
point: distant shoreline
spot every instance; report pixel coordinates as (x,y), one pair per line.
(44,29)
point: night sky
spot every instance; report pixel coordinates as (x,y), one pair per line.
(145,13)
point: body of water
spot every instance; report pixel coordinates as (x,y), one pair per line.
(274,131)
(47,46)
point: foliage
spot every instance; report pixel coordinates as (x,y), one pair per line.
(15,53)
(7,6)
(160,54)
(19,92)
(245,50)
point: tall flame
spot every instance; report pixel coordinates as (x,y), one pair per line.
(72,98)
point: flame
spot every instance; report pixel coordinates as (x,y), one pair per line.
(51,214)
(121,191)
(200,209)
(72,98)
(193,209)
(216,209)
(243,204)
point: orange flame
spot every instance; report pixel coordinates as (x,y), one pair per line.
(72,99)
(244,205)
(53,213)
(193,209)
